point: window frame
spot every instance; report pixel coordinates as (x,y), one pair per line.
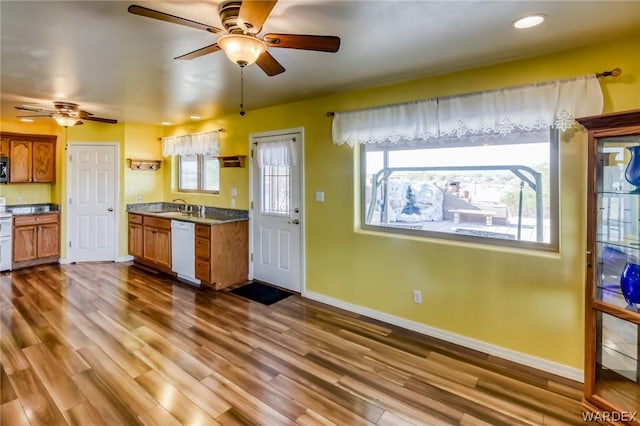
(554,213)
(200,158)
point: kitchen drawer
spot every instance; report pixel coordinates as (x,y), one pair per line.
(135,218)
(157,222)
(37,219)
(202,270)
(202,248)
(203,231)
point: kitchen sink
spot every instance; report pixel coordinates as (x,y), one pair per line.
(175,214)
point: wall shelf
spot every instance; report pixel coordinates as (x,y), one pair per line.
(144,165)
(231,160)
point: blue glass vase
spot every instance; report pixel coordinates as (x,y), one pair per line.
(630,283)
(632,172)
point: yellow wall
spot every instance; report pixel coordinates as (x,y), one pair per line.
(526,301)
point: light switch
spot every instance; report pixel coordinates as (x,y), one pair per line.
(320,196)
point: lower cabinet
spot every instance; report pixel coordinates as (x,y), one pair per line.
(222,253)
(221,250)
(150,241)
(157,242)
(136,236)
(36,239)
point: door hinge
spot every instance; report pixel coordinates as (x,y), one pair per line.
(251,153)
(70,201)
(251,257)
(69,244)
(252,205)
(70,158)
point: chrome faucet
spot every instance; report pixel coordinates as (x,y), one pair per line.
(185,203)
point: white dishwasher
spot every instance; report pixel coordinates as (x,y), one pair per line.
(183,251)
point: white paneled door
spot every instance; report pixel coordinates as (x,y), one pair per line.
(91,202)
(276,216)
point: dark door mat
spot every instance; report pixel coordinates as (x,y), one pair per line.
(261,293)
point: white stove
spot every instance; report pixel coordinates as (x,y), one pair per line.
(6,227)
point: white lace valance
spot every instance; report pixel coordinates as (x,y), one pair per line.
(531,107)
(276,153)
(206,143)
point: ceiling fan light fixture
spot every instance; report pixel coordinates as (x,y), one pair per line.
(66,121)
(242,49)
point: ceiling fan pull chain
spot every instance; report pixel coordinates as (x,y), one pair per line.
(242,113)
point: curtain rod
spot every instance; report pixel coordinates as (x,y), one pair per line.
(220,130)
(613,73)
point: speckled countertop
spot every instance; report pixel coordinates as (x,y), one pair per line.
(175,211)
(25,209)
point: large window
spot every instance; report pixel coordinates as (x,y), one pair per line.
(498,189)
(198,173)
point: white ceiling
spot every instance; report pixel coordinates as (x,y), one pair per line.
(119,65)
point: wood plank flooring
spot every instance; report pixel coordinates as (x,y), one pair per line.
(111,344)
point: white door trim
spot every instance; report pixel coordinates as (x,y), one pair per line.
(252,175)
(116,243)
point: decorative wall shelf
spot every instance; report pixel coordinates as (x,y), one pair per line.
(232,160)
(144,165)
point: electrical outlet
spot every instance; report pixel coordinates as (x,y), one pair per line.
(18,200)
(417,296)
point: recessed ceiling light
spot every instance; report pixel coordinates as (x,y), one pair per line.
(165,123)
(528,21)
(195,117)
(27,120)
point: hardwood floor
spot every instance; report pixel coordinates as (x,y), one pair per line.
(110,344)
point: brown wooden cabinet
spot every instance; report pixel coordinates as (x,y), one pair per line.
(136,235)
(150,241)
(36,239)
(612,315)
(4,146)
(222,252)
(32,158)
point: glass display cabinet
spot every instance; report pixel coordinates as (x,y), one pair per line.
(612,311)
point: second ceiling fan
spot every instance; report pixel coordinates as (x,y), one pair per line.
(242,21)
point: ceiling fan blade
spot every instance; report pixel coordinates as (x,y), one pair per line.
(269,65)
(33,116)
(100,120)
(304,42)
(253,13)
(155,14)
(34,109)
(200,52)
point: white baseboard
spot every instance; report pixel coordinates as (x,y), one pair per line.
(488,348)
(117,260)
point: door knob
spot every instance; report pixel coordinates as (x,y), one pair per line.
(294,221)
(110,209)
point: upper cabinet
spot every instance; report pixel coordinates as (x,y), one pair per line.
(32,158)
(4,147)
